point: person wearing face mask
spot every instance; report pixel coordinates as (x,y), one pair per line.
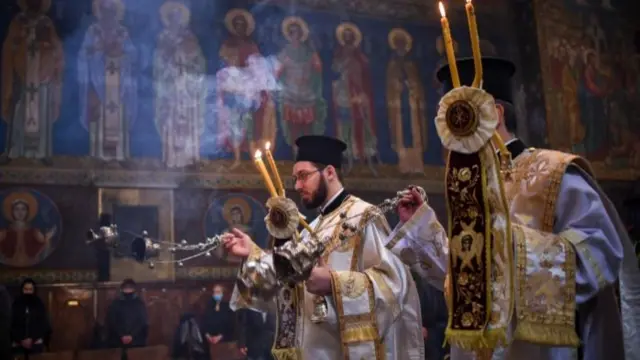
(30,326)
(127,323)
(219,319)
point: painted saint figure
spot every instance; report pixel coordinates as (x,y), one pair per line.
(178,73)
(353,97)
(406,105)
(21,244)
(106,77)
(594,89)
(32,68)
(245,108)
(302,109)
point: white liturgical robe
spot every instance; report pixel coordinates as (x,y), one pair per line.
(374,310)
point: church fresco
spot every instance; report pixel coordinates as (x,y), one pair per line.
(174,86)
(591,71)
(30,228)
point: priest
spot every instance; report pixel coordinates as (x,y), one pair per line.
(571,252)
(372,305)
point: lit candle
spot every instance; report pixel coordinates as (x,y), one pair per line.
(475,43)
(448,44)
(265,175)
(274,169)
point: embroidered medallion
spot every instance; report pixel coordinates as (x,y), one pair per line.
(461,118)
(353,284)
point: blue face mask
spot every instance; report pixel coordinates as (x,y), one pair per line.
(217,297)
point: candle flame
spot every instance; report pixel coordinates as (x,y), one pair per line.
(258,154)
(441,6)
(468,1)
(267,145)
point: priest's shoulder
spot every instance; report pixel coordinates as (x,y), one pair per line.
(362,210)
(561,160)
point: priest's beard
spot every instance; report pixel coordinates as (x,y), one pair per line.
(318,197)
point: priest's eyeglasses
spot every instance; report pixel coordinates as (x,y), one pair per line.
(303,176)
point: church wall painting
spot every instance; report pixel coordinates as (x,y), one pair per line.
(367,80)
(591,68)
(30,227)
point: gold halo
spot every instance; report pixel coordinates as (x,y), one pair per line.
(45,5)
(232,14)
(462,118)
(119,8)
(400,32)
(167,7)
(348,26)
(20,196)
(291,20)
(236,202)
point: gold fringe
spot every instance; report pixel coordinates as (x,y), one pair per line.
(544,334)
(287,354)
(476,340)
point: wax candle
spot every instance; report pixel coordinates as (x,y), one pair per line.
(475,43)
(448,44)
(265,175)
(272,164)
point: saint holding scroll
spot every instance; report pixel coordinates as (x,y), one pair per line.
(373,309)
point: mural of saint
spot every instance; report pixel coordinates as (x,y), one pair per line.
(593,90)
(302,109)
(32,68)
(179,74)
(29,228)
(246,110)
(353,97)
(107,82)
(406,104)
(236,211)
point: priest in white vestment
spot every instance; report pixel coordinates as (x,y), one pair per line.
(373,309)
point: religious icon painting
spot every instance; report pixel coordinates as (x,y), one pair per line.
(106,65)
(179,83)
(353,100)
(30,227)
(237,211)
(407,119)
(32,78)
(303,109)
(244,104)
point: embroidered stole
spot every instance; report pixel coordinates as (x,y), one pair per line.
(480,251)
(546,262)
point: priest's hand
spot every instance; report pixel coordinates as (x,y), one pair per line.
(237,243)
(409,204)
(319,282)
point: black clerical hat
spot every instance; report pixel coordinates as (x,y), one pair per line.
(319,149)
(497,75)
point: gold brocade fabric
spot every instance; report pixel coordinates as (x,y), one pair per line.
(546,262)
(478,222)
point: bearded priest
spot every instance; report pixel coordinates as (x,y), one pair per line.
(371,305)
